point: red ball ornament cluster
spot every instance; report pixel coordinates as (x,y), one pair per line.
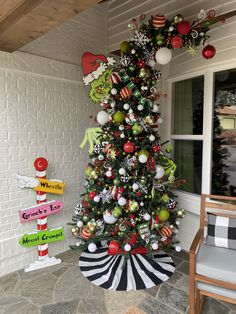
(128,147)
(184,27)
(176,42)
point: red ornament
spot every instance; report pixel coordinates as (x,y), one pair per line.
(208,52)
(141,63)
(86,233)
(138,194)
(176,42)
(40,164)
(158,21)
(156,148)
(125,93)
(184,27)
(117,133)
(128,147)
(166,232)
(115,78)
(92,195)
(113,247)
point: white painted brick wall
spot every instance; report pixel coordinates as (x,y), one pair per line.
(44,111)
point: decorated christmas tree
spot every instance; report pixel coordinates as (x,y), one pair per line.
(128,202)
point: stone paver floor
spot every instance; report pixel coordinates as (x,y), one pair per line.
(62,289)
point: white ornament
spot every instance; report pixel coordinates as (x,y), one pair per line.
(100,157)
(178,248)
(163,55)
(152,138)
(152,63)
(160,171)
(146,217)
(96,199)
(171,28)
(108,173)
(126,106)
(122,135)
(109,218)
(141,203)
(131,111)
(92,247)
(140,107)
(155,108)
(113,103)
(113,91)
(142,158)
(121,127)
(122,201)
(159,120)
(135,186)
(122,171)
(102,117)
(177,222)
(79,223)
(127,247)
(155,246)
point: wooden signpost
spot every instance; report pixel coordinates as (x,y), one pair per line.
(41,211)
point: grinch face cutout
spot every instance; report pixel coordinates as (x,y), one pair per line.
(97,70)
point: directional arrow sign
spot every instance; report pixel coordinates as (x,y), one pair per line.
(38,211)
(55,187)
(45,236)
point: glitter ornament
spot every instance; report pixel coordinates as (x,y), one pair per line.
(183,27)
(163,56)
(102,117)
(176,42)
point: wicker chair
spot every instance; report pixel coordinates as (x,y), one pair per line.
(212,269)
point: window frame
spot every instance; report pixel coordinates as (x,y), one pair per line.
(188,200)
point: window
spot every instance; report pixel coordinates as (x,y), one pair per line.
(203,132)
(187,126)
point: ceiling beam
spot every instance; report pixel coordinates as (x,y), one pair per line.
(26,20)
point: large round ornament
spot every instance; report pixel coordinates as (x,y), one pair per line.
(163,55)
(176,42)
(208,52)
(117,212)
(136,129)
(128,147)
(115,78)
(102,117)
(158,21)
(166,232)
(160,39)
(92,247)
(109,218)
(86,233)
(127,247)
(119,117)
(113,247)
(122,201)
(125,93)
(160,171)
(125,47)
(163,215)
(184,27)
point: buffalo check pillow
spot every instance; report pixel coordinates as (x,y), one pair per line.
(221,231)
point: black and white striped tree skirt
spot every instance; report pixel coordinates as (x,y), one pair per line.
(139,272)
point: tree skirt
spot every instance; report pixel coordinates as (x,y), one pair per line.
(139,272)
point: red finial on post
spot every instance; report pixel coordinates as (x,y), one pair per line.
(40,164)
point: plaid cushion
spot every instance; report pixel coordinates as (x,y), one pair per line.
(221,231)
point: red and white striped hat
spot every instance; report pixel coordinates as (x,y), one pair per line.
(94,66)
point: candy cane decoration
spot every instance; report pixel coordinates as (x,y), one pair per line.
(40,165)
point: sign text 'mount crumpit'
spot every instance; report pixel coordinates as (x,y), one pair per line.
(38,211)
(41,237)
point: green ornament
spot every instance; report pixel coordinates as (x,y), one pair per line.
(163,215)
(133,206)
(168,148)
(117,212)
(143,73)
(131,68)
(165,198)
(136,129)
(160,40)
(85,218)
(119,117)
(125,47)
(178,18)
(116,182)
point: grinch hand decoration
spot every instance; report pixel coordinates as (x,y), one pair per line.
(97,70)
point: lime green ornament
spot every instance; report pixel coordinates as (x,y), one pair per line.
(143,73)
(168,149)
(117,212)
(133,206)
(143,152)
(136,129)
(163,215)
(125,47)
(165,198)
(160,40)
(119,117)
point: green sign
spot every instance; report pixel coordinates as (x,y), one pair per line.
(40,237)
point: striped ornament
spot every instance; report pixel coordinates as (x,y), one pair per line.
(86,233)
(125,93)
(138,272)
(115,78)
(158,21)
(166,232)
